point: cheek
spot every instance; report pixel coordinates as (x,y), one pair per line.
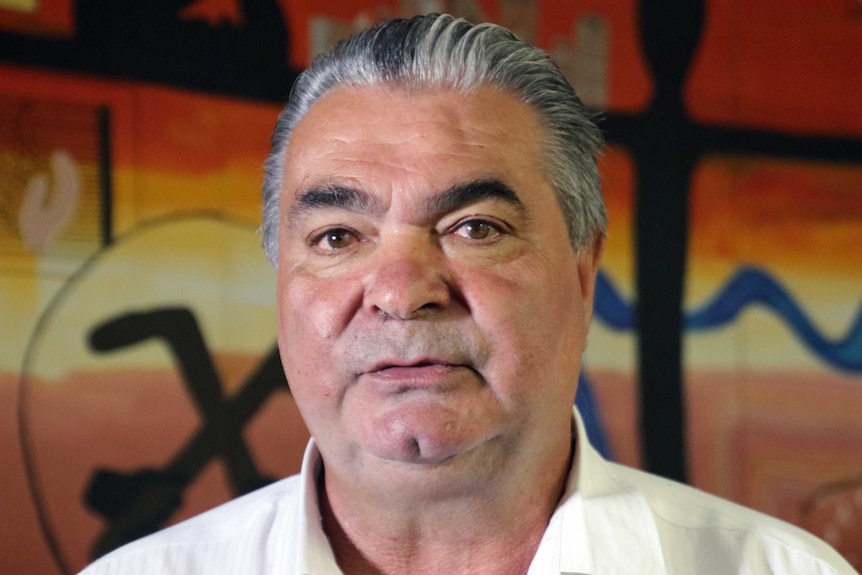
(533,316)
(312,314)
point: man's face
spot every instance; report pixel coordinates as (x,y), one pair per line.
(432,313)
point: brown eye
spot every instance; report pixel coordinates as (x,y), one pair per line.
(334,240)
(478,230)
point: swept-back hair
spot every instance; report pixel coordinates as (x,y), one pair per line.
(438,51)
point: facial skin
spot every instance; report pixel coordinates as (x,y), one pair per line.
(431,311)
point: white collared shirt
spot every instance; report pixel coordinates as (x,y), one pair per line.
(611,520)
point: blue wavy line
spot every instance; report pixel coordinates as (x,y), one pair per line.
(748,286)
(611,307)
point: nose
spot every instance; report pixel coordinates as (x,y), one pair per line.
(407,278)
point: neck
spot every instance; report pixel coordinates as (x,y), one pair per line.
(495,529)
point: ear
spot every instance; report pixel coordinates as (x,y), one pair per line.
(588,267)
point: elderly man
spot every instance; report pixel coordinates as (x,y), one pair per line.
(433,208)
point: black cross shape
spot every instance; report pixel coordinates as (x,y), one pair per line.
(138,504)
(666,145)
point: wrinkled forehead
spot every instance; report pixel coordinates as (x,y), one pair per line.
(382,105)
(387,140)
(355,123)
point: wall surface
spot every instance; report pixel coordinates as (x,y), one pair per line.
(139,381)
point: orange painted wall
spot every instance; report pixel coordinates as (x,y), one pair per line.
(770,423)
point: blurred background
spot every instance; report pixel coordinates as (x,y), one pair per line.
(139,379)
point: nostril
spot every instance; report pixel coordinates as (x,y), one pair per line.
(419,311)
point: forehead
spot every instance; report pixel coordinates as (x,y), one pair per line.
(398,136)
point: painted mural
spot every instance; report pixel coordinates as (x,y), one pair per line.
(139,379)
(774,346)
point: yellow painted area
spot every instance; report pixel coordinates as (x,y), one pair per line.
(20,5)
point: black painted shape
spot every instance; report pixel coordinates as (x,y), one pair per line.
(139,503)
(149,41)
(665,157)
(106,184)
(135,504)
(666,145)
(670,31)
(180,330)
(721,140)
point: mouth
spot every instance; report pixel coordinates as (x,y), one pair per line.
(387,365)
(425,373)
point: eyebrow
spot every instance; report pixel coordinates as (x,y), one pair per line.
(449,200)
(461,195)
(333,196)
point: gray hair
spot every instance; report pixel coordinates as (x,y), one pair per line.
(439,51)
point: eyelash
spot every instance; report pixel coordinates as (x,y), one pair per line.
(495,231)
(317,239)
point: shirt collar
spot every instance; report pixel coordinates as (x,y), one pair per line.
(314,554)
(606,522)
